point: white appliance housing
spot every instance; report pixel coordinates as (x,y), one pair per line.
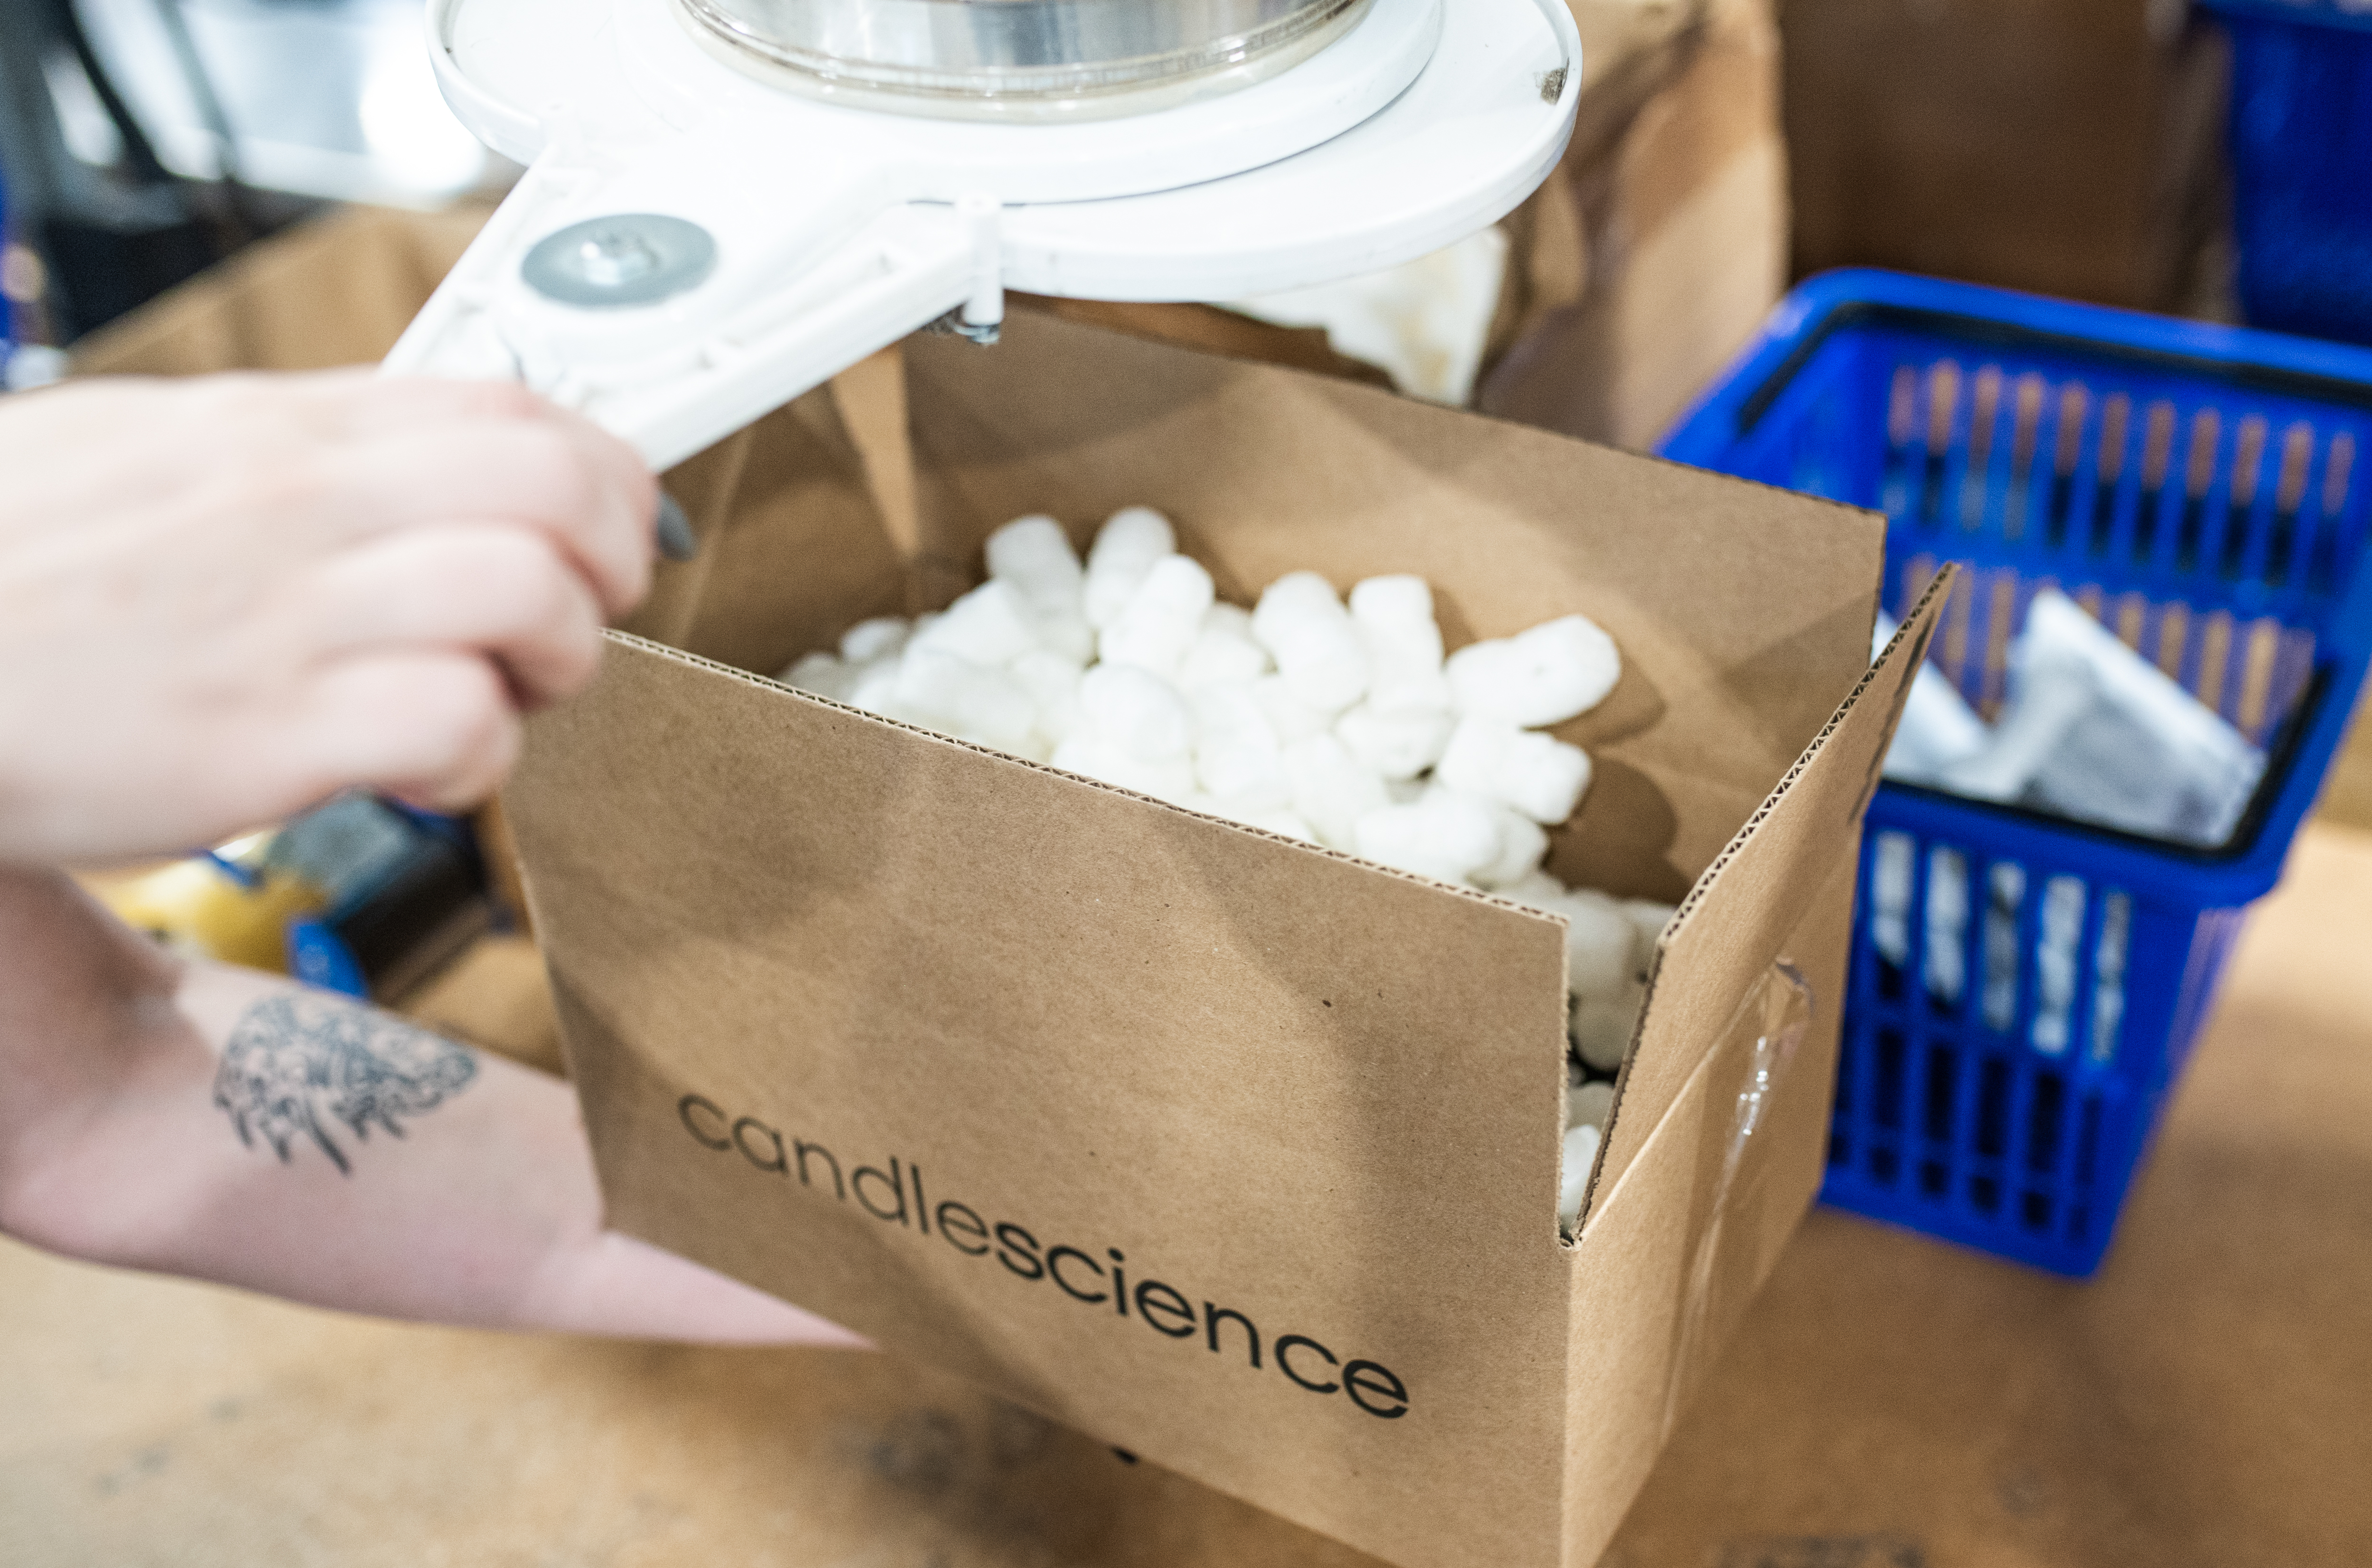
(701,237)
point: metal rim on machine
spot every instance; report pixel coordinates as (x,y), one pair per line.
(1022,59)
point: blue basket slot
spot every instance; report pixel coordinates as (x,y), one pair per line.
(2024,988)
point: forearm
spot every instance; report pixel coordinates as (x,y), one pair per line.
(244,1131)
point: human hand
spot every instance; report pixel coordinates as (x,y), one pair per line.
(222,600)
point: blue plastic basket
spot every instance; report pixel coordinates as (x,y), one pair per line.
(2300,137)
(2200,488)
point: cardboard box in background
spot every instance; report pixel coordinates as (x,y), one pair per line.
(2065,146)
(1657,249)
(1642,266)
(950,1047)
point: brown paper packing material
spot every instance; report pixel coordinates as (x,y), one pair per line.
(1231,1152)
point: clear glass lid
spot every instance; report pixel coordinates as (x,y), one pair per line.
(1026,58)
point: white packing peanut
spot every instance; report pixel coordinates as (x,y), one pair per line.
(1648,920)
(1128,544)
(826,675)
(1523,843)
(1599,945)
(1223,650)
(875,639)
(1545,675)
(972,701)
(1394,616)
(1292,719)
(1331,790)
(1398,743)
(1318,648)
(1161,620)
(1444,835)
(1602,1025)
(1034,555)
(1580,1154)
(1538,774)
(1139,712)
(875,690)
(1053,683)
(1535,887)
(991,625)
(1098,758)
(1236,753)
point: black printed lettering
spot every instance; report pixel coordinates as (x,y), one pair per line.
(683,1109)
(1211,1316)
(1153,1296)
(1364,1377)
(893,1179)
(955,1216)
(1373,1386)
(1027,1246)
(1284,1362)
(778,1165)
(801,1149)
(1054,1266)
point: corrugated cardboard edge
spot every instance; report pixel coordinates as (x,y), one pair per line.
(1633,1363)
(1665,1049)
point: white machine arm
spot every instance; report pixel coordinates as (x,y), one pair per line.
(692,247)
(671,336)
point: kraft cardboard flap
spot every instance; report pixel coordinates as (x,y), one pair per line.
(794,546)
(1733,924)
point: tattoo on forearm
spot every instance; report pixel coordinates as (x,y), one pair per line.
(298,1066)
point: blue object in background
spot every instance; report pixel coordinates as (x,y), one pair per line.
(2204,489)
(404,890)
(318,956)
(8,307)
(2300,140)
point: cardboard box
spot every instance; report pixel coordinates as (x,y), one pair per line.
(1655,251)
(1639,269)
(1234,1152)
(2064,146)
(857,930)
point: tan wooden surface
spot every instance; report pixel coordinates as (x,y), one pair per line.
(1890,1403)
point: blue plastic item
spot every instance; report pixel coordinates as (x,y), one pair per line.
(2301,138)
(2024,988)
(320,957)
(7,309)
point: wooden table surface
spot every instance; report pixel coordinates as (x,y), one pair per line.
(1891,1402)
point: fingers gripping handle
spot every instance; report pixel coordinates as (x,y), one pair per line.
(674,333)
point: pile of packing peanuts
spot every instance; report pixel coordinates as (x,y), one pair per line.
(1334,723)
